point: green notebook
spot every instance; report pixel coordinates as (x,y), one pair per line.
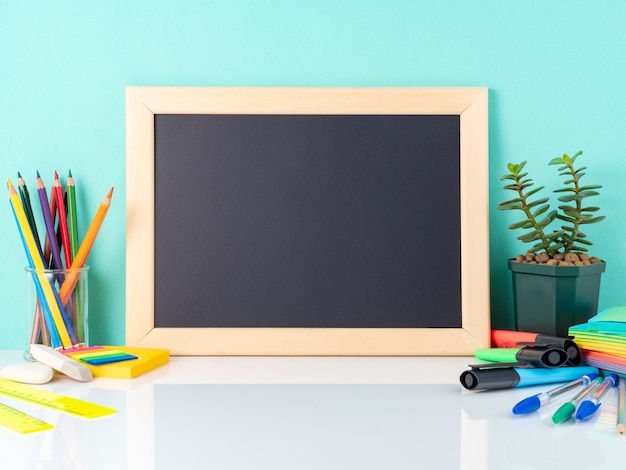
(612,319)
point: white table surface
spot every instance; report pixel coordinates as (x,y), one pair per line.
(307,413)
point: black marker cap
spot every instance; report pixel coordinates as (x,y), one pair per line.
(542,356)
(567,344)
(490,379)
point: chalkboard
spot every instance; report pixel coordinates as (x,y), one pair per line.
(321,229)
(307,221)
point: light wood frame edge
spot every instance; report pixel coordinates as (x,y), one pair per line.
(471,104)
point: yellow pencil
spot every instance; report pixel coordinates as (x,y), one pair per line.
(85,247)
(39,266)
(621,405)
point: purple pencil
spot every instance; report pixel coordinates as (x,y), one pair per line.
(47,217)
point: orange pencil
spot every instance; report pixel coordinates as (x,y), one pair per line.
(57,190)
(85,247)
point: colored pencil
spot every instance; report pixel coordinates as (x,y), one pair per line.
(47,254)
(39,323)
(40,332)
(43,285)
(57,191)
(42,309)
(47,217)
(85,247)
(28,208)
(621,405)
(72,222)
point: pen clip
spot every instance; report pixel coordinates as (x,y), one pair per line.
(498,365)
(536,344)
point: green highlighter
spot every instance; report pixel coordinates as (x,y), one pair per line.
(537,356)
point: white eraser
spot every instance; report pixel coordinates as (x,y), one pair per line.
(59,361)
(28,373)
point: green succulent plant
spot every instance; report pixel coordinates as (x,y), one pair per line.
(538,216)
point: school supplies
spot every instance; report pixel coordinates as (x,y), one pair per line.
(28,208)
(612,319)
(57,402)
(146,360)
(533,403)
(513,339)
(498,376)
(537,356)
(621,405)
(34,373)
(602,339)
(48,295)
(101,356)
(49,223)
(21,422)
(52,358)
(566,410)
(72,223)
(81,255)
(591,404)
(57,191)
(57,322)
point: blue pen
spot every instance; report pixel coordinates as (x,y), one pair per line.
(589,406)
(533,403)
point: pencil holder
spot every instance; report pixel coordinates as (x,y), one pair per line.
(57,307)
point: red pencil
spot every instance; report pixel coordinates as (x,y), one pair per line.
(57,190)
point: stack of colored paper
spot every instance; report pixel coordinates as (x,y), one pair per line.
(602,340)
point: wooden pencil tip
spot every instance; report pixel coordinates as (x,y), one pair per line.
(19,175)
(69,173)
(110,193)
(56,175)
(621,428)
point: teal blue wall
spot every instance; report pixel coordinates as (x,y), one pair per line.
(555,71)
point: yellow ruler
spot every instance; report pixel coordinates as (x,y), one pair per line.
(63,403)
(21,422)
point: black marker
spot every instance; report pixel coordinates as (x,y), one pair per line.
(493,377)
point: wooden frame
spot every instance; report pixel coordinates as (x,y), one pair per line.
(142,103)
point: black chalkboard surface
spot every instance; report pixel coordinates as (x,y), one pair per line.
(313,221)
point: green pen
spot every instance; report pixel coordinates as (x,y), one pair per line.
(567,409)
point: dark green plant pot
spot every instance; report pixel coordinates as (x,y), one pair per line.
(550,299)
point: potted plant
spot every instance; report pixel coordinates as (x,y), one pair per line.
(555,283)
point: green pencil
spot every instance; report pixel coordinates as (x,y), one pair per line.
(72,225)
(71,214)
